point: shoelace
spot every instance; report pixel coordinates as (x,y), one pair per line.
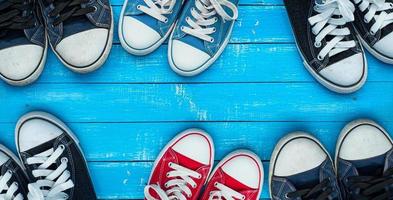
(376,11)
(65,9)
(51,183)
(178,185)
(205,16)
(371,187)
(9,192)
(327,25)
(321,191)
(158,8)
(11,16)
(224,192)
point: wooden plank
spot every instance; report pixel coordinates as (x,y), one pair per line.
(239,63)
(241,2)
(196,102)
(127,180)
(256,24)
(143,141)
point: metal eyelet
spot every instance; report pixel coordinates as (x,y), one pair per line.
(166,20)
(372,33)
(211,40)
(366,21)
(286,196)
(95,8)
(317,44)
(62,146)
(214,29)
(64,160)
(319,58)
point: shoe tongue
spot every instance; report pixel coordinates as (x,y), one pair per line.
(306,180)
(370,167)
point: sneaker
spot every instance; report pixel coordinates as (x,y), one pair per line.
(327,43)
(301,168)
(22,42)
(364,161)
(201,35)
(145,24)
(13,180)
(238,176)
(80,31)
(53,159)
(374,25)
(182,167)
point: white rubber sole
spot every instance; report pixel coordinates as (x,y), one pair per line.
(50,118)
(241,152)
(281,143)
(175,139)
(139,52)
(373,52)
(34,76)
(204,66)
(331,86)
(344,132)
(99,62)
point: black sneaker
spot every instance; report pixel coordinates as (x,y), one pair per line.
(374,24)
(53,159)
(13,180)
(301,168)
(364,161)
(327,43)
(23,42)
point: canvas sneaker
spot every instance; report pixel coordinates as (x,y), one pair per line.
(364,161)
(301,168)
(327,42)
(238,176)
(22,42)
(80,31)
(182,167)
(201,35)
(146,24)
(13,180)
(374,25)
(53,160)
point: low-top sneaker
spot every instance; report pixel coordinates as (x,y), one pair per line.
(146,24)
(13,179)
(53,160)
(301,168)
(182,167)
(374,24)
(80,31)
(238,176)
(327,42)
(364,161)
(201,35)
(22,42)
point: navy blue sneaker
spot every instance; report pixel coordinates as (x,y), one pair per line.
(201,35)
(13,179)
(301,168)
(22,42)
(80,31)
(364,161)
(145,24)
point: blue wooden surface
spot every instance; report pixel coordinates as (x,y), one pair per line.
(254,94)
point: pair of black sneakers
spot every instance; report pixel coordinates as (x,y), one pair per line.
(51,165)
(331,34)
(302,169)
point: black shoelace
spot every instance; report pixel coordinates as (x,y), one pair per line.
(15,15)
(321,191)
(372,187)
(65,9)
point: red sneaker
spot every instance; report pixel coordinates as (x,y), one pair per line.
(238,176)
(182,167)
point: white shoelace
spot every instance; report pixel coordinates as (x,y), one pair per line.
(374,6)
(176,188)
(9,190)
(327,23)
(51,184)
(224,192)
(158,8)
(204,12)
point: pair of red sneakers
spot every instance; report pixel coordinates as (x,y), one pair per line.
(184,168)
